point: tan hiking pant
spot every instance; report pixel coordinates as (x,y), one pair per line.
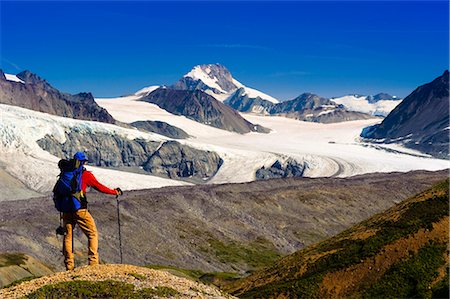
(85,221)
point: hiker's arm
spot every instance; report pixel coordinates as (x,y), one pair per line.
(92,181)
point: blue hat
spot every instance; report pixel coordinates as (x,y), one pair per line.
(80,156)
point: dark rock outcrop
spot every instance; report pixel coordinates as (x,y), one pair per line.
(161,128)
(243,103)
(175,160)
(37,94)
(420,121)
(288,169)
(169,159)
(201,107)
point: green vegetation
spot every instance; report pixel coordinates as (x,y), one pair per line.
(441,289)
(256,254)
(410,218)
(10,259)
(418,215)
(297,288)
(411,277)
(99,289)
(137,276)
(215,278)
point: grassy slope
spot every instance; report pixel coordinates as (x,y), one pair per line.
(402,252)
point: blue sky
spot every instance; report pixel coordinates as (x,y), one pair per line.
(113,48)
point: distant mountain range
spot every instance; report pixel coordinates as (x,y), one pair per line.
(199,95)
(420,121)
(217,81)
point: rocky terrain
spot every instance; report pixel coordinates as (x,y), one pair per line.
(160,127)
(420,121)
(112,281)
(231,227)
(278,169)
(202,107)
(168,159)
(400,253)
(37,94)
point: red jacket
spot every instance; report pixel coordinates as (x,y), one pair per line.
(88,179)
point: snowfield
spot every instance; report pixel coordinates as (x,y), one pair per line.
(328,149)
(361,104)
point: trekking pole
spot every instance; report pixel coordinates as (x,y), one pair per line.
(120,235)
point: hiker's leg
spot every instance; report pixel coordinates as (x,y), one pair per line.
(68,223)
(87,225)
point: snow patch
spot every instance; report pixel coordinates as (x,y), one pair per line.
(14,78)
(146,90)
(326,112)
(253,93)
(198,74)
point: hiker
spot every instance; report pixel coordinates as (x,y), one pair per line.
(79,214)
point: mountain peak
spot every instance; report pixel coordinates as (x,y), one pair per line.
(29,77)
(307,96)
(209,76)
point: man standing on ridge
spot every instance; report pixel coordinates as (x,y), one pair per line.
(82,217)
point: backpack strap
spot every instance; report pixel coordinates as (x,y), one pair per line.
(79,194)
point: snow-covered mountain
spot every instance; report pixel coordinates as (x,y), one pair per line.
(313,108)
(377,105)
(217,81)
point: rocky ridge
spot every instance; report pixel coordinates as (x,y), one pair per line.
(161,128)
(37,94)
(420,121)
